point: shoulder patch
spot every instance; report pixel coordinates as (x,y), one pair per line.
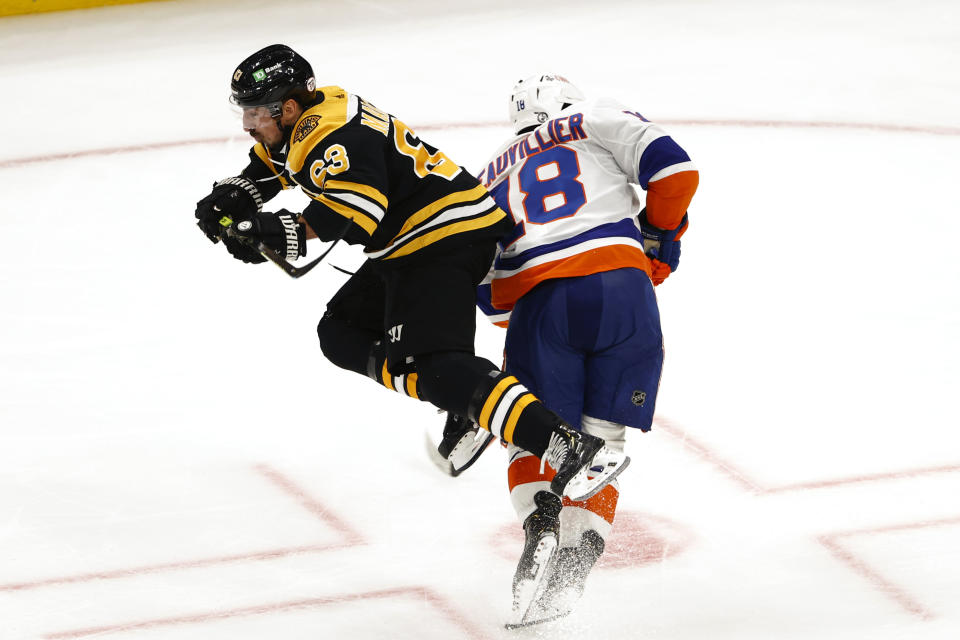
(305,127)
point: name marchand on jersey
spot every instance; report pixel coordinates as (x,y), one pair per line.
(569,186)
(344,153)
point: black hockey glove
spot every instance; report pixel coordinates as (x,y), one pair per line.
(231,200)
(280,231)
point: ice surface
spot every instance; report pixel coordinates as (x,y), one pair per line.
(177,459)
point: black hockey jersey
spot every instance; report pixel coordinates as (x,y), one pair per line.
(360,164)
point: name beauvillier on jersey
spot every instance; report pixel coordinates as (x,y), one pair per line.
(559,131)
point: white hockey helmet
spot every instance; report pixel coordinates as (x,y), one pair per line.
(536,99)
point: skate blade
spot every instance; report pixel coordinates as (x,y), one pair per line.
(528,592)
(468,450)
(535,621)
(438,460)
(611,464)
(547,608)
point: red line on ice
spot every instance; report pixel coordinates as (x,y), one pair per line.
(424,593)
(310,504)
(832,543)
(133,572)
(876,477)
(351,539)
(780,124)
(706,454)
(743,479)
(861,568)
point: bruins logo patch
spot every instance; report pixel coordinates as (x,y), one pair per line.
(306,126)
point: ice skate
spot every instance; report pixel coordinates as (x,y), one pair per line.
(463,442)
(542,529)
(568,577)
(583,463)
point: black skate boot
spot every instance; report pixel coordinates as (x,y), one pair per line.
(463,442)
(542,529)
(584,465)
(569,576)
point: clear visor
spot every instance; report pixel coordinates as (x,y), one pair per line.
(256,116)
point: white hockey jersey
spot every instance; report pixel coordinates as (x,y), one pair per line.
(569,187)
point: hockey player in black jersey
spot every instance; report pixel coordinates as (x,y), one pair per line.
(428,228)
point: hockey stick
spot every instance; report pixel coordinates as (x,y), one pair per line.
(290,269)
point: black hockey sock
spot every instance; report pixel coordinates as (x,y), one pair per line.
(448,379)
(408,383)
(508,410)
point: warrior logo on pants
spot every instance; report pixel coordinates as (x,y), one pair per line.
(394,333)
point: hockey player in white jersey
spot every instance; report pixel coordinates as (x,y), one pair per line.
(574,285)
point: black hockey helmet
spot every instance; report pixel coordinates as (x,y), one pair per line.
(272,75)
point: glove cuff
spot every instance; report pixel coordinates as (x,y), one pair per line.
(247,186)
(295,236)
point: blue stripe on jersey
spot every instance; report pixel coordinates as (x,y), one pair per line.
(623,228)
(659,154)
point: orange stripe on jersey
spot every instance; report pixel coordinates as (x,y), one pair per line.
(506,291)
(668,198)
(604,504)
(385,377)
(527,469)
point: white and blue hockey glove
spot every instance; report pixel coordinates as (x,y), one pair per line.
(662,246)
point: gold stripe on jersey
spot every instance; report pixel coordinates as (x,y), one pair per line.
(359,217)
(264,154)
(356,201)
(316,123)
(448,230)
(434,207)
(362,189)
(455,213)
